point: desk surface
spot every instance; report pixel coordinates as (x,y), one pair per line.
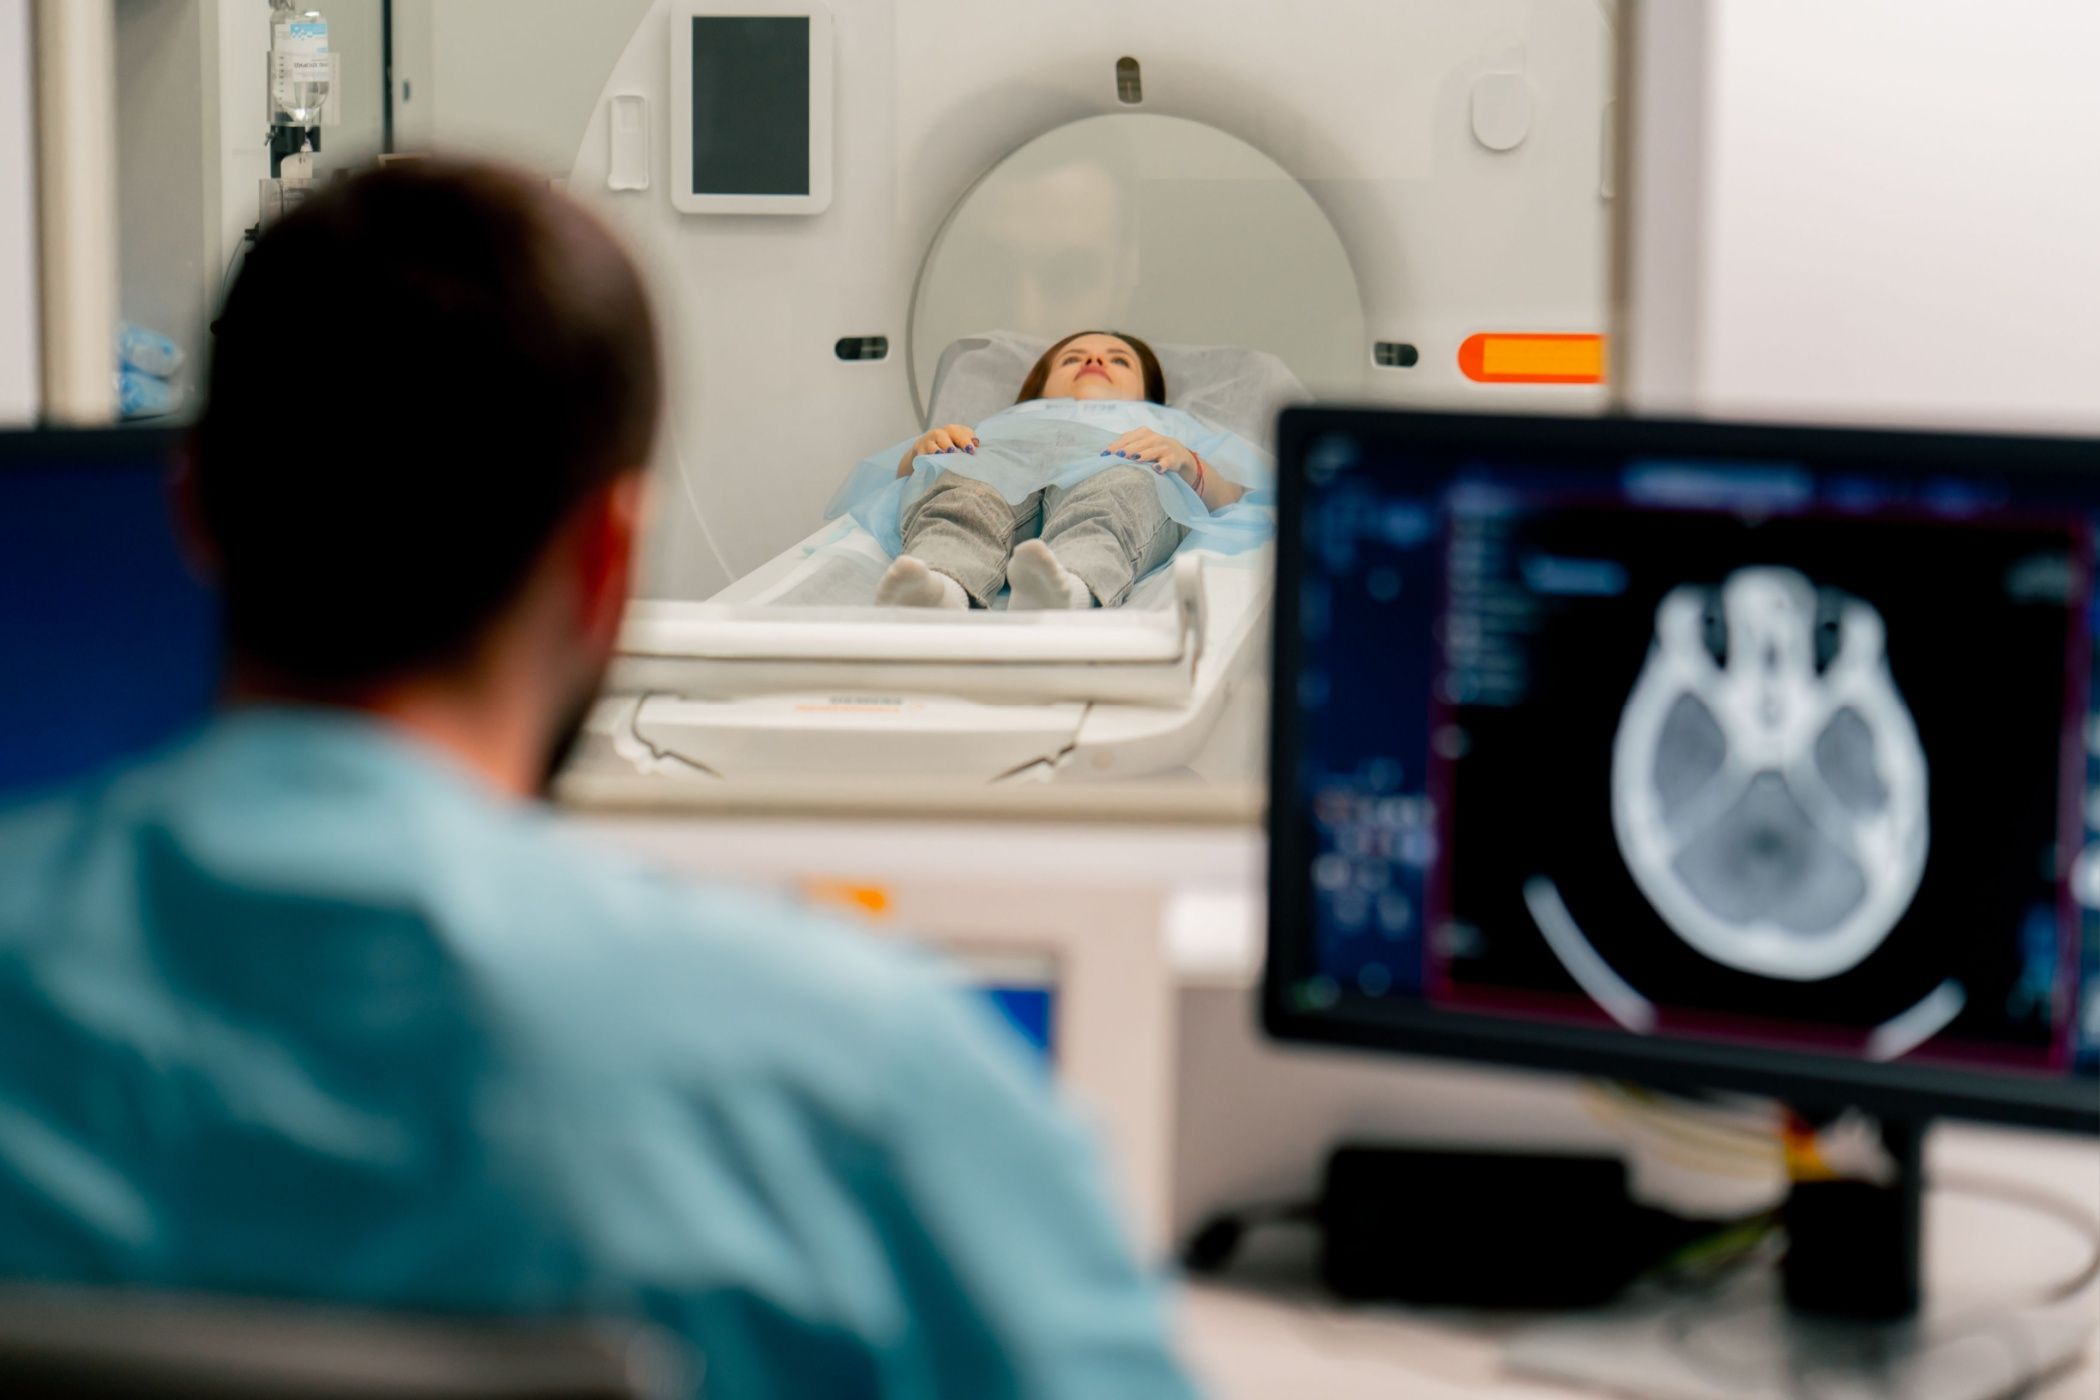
(1268,1333)
(1272,1335)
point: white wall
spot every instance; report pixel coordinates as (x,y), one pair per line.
(512,78)
(357,34)
(167,167)
(244,158)
(19,378)
(1895,212)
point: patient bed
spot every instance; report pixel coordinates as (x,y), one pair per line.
(791,672)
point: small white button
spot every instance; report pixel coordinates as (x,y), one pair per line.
(1501,110)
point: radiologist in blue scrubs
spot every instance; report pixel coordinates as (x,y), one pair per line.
(322,1003)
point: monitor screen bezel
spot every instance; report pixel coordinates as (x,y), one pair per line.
(1808,1080)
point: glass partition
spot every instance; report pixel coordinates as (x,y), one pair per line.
(1404,202)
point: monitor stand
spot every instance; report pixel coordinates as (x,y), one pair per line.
(1842,1318)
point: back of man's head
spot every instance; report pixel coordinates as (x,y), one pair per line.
(416,378)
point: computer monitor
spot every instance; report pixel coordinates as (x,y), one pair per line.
(108,644)
(1714,756)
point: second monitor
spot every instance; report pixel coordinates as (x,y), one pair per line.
(1753,758)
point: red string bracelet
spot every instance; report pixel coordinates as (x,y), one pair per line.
(1200,471)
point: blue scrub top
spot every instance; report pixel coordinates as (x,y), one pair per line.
(298,1009)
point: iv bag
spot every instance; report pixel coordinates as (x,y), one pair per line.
(301,67)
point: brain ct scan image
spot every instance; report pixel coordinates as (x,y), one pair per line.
(1735,769)
(1750,753)
(1770,800)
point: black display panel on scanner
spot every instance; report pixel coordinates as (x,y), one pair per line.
(750,105)
(1716,756)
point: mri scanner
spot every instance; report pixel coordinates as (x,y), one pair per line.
(1400,201)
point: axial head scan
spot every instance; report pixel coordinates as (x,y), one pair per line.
(1768,786)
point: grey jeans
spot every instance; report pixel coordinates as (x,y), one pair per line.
(1109,529)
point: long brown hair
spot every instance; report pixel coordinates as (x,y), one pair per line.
(1155,377)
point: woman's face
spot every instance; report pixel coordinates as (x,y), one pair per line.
(1095,367)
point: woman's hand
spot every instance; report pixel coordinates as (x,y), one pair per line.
(1157,451)
(1163,454)
(956,437)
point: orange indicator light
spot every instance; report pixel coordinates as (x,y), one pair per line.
(872,901)
(1494,357)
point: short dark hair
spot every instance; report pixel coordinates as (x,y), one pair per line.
(416,377)
(1155,377)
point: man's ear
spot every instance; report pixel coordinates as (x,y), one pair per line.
(199,551)
(609,527)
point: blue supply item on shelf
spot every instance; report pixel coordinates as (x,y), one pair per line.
(147,351)
(143,395)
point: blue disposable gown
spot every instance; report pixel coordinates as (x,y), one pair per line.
(1057,442)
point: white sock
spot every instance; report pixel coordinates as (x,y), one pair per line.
(1039,581)
(908,583)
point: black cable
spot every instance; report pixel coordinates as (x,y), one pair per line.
(240,253)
